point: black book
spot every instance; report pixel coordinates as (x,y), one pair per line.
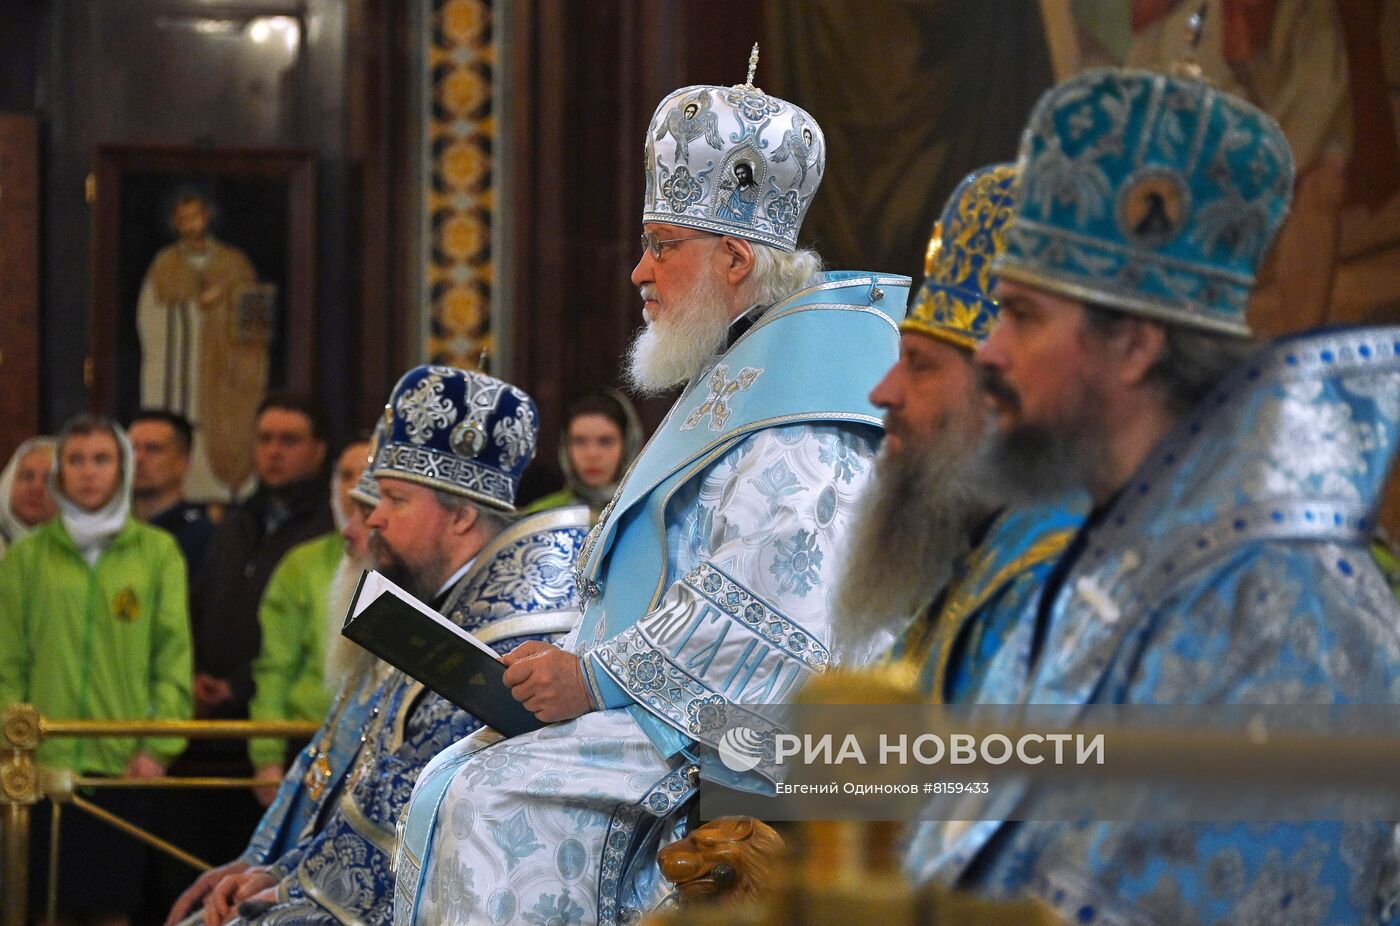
(409,635)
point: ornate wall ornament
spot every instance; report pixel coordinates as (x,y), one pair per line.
(459,205)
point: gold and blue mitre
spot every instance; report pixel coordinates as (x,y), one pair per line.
(1154,194)
(955,303)
(459,431)
(734,161)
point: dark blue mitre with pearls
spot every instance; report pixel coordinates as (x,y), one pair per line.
(458,431)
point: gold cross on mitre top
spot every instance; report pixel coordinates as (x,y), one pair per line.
(1189,65)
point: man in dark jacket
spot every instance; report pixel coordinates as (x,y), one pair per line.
(291,505)
(162,441)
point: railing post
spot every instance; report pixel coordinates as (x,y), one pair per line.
(19,791)
(22,785)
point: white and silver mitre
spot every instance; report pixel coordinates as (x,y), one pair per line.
(734,161)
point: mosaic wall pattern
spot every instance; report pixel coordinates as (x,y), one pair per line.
(459,203)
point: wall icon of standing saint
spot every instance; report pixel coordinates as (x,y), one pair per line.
(205,326)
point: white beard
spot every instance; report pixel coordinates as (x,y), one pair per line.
(344,659)
(678,345)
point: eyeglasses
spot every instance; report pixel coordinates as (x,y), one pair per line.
(653,244)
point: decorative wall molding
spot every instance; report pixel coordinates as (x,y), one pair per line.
(459,201)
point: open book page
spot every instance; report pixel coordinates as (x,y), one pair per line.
(374,583)
(423,644)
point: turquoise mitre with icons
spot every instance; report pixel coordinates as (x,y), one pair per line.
(955,302)
(1154,194)
(460,431)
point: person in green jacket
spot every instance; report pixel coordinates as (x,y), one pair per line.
(289,672)
(602,434)
(94,624)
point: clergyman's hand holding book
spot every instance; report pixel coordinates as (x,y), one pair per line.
(409,635)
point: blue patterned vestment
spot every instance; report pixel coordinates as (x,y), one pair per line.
(521,587)
(317,772)
(1231,569)
(992,587)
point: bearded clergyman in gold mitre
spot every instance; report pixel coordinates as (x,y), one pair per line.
(203,353)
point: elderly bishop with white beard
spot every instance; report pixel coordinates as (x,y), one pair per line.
(711,574)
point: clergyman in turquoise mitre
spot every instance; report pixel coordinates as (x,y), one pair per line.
(1226,560)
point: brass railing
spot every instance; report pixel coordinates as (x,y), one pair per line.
(23,784)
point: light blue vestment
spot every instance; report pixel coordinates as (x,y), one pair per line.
(1231,569)
(682,648)
(710,579)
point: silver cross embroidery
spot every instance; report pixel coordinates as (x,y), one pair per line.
(424,409)
(716,404)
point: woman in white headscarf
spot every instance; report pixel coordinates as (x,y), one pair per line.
(25,502)
(94,624)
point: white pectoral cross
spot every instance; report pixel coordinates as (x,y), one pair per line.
(1095,595)
(716,404)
